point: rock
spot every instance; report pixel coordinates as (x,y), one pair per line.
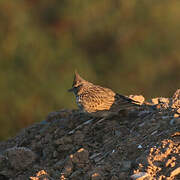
(93,156)
(142,160)
(126,165)
(122,175)
(68,168)
(138,98)
(96,176)
(163,100)
(80,158)
(60,164)
(176,115)
(140,176)
(171,162)
(176,99)
(41,175)
(178,110)
(174,121)
(3,177)
(55,154)
(19,158)
(63,140)
(75,175)
(62,115)
(78,137)
(155,100)
(175,172)
(139,146)
(176,95)
(114,178)
(65,143)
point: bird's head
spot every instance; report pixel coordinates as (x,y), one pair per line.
(77,83)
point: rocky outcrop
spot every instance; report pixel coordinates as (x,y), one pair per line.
(143,143)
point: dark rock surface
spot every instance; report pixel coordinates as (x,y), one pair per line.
(143,143)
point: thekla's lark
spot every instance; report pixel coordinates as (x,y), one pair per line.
(97,100)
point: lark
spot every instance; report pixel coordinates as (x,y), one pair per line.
(97,100)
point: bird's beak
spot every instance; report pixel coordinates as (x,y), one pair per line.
(71,89)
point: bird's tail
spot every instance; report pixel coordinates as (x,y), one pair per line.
(126,103)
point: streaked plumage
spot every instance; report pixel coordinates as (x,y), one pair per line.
(98,100)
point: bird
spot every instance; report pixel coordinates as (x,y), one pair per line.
(97,100)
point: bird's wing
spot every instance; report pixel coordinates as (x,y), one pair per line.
(97,98)
(123,102)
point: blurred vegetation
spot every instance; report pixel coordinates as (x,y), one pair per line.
(131,46)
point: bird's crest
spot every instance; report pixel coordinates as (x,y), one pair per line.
(78,80)
(77,83)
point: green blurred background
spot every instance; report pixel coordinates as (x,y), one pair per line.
(131,46)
